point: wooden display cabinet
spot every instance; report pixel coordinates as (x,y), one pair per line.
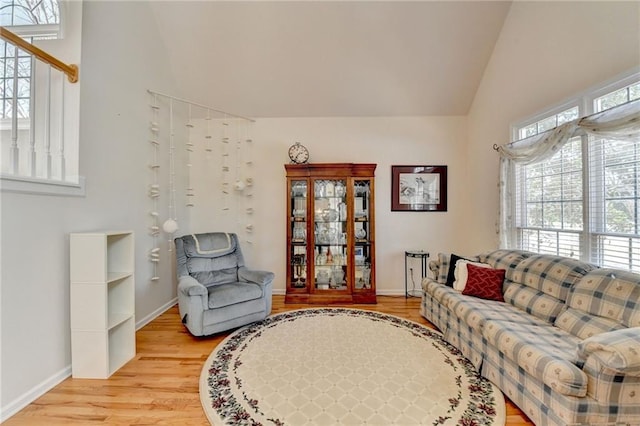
(330,233)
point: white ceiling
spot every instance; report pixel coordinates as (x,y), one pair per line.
(325,58)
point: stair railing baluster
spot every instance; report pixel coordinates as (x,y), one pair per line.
(32,121)
(14,154)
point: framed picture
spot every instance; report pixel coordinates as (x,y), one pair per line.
(419,188)
(358,251)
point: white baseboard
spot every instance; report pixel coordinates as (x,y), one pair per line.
(392,292)
(34,393)
(155,314)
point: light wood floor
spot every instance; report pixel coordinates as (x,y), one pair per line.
(160,385)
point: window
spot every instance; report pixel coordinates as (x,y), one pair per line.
(584,201)
(29,12)
(39,111)
(7,58)
(31,19)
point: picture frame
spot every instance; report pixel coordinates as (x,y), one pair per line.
(419,188)
(358,251)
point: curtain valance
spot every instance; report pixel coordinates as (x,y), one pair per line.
(620,123)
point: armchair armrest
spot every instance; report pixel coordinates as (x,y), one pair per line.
(617,350)
(190,289)
(189,286)
(254,276)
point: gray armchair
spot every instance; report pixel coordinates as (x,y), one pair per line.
(216,292)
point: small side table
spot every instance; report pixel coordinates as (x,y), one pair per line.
(423,256)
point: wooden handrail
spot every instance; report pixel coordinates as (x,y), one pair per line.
(70,70)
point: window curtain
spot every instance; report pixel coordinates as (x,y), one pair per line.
(621,123)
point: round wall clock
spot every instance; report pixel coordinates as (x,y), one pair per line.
(298,153)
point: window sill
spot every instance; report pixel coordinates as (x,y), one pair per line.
(26,185)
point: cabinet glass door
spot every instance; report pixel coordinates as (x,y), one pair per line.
(330,234)
(298,223)
(362,232)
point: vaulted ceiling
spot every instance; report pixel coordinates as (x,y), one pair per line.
(331,58)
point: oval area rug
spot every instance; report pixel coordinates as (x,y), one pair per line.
(338,366)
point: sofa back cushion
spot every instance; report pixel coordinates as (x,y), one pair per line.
(552,275)
(540,284)
(505,259)
(583,325)
(444,265)
(603,300)
(532,301)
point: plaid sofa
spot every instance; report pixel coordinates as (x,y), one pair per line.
(565,344)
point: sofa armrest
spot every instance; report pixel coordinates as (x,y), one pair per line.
(434,266)
(617,350)
(254,276)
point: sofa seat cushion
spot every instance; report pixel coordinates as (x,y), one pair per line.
(232,293)
(547,353)
(476,312)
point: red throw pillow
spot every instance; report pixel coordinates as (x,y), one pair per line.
(485,283)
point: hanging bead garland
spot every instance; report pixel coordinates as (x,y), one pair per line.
(225,166)
(237,187)
(154,187)
(248,152)
(170,226)
(207,135)
(189,148)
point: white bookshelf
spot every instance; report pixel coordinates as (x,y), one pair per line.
(102,302)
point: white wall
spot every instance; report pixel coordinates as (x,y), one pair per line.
(546,53)
(382,140)
(121,58)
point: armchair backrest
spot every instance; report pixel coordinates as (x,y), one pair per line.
(211,258)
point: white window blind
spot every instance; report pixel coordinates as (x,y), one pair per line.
(550,212)
(614,170)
